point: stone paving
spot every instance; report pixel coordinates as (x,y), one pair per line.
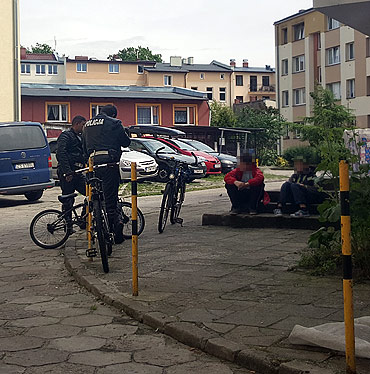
(50,325)
(238,285)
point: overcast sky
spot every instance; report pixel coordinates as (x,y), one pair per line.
(205,29)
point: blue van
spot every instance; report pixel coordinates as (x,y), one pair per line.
(25,162)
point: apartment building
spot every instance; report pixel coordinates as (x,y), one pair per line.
(9,57)
(46,68)
(312,48)
(227,84)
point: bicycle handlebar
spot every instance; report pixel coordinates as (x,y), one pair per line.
(78,171)
(177,161)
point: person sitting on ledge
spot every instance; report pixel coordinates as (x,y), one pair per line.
(299,190)
(244,185)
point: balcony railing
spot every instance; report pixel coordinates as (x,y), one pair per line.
(261,88)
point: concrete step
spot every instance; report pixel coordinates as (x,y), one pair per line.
(264,220)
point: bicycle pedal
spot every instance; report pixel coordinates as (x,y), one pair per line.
(180,221)
(91,252)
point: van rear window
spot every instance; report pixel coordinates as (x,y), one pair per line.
(15,138)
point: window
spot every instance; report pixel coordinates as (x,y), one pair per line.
(57,112)
(239,99)
(318,39)
(113,68)
(333,55)
(284,67)
(253,83)
(222,76)
(184,115)
(202,75)
(40,69)
(140,69)
(350,88)
(147,114)
(333,24)
(299,96)
(239,80)
(210,93)
(167,80)
(319,74)
(96,108)
(284,35)
(298,31)
(335,89)
(25,69)
(265,97)
(367,47)
(222,94)
(265,81)
(368,86)
(52,69)
(350,51)
(194,88)
(298,64)
(81,67)
(285,98)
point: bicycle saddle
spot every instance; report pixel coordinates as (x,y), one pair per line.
(64,198)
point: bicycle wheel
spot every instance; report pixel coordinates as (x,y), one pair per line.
(101,235)
(165,207)
(48,229)
(127,227)
(178,199)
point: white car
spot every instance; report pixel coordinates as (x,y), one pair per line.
(53,152)
(146,166)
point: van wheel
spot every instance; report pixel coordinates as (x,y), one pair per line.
(33,195)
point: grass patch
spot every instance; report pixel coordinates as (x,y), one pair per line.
(148,188)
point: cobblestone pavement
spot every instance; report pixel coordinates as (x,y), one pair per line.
(48,324)
(235,284)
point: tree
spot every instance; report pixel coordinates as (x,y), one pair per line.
(40,48)
(136,54)
(222,115)
(272,122)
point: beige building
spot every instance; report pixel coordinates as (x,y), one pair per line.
(42,68)
(224,83)
(313,48)
(9,57)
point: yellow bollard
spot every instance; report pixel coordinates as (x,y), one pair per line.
(347,268)
(135,282)
(89,217)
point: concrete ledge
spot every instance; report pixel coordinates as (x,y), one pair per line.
(185,332)
(261,221)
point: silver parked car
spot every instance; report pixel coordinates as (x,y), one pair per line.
(146,166)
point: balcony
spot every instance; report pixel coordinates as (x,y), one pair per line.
(261,88)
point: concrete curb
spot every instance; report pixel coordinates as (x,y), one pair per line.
(184,332)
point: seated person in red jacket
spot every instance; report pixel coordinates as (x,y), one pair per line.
(244,185)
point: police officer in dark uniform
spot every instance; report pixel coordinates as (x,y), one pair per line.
(70,158)
(103,137)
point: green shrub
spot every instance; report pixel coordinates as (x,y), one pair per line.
(309,153)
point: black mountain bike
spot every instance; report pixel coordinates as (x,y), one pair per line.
(174,194)
(48,228)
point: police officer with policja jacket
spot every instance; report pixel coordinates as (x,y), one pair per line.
(103,137)
(70,158)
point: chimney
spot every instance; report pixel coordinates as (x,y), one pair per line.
(268,67)
(23,53)
(232,62)
(175,61)
(190,60)
(81,58)
(245,63)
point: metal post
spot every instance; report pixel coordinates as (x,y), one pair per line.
(135,286)
(89,216)
(347,268)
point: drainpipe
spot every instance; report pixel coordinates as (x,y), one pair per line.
(16,61)
(277,79)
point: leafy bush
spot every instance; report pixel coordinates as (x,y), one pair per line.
(309,153)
